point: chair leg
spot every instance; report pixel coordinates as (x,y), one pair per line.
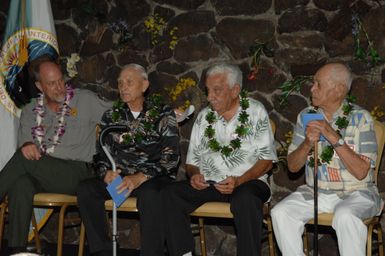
(81,239)
(380,241)
(305,242)
(3,207)
(270,236)
(369,240)
(61,230)
(202,236)
(36,233)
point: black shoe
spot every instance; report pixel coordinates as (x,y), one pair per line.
(17,249)
(103,253)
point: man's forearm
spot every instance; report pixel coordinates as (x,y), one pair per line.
(297,159)
(191,170)
(260,168)
(354,163)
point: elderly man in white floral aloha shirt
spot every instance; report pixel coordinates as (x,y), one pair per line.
(231,148)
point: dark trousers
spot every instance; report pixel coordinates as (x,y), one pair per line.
(21,179)
(91,196)
(246,203)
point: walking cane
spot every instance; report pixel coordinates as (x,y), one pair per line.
(315,238)
(104,132)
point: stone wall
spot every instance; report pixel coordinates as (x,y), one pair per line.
(301,36)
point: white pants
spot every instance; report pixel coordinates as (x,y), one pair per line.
(290,215)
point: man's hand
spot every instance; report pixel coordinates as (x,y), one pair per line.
(317,127)
(30,151)
(131,182)
(227,185)
(198,182)
(111,175)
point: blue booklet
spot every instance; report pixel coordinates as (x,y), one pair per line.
(306,118)
(118,198)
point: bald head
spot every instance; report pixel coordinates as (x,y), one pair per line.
(331,85)
(339,75)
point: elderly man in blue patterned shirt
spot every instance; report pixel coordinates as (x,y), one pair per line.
(346,157)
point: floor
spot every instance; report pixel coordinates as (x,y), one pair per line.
(68,250)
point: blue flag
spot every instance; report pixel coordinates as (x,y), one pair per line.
(29,35)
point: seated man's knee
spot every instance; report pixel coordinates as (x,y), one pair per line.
(343,216)
(170,191)
(24,185)
(278,211)
(84,189)
(150,194)
(243,200)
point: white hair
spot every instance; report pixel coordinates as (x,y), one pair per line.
(233,72)
(340,73)
(138,68)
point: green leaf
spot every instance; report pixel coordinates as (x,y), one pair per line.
(226,151)
(342,122)
(209,168)
(214,145)
(244,94)
(156,99)
(327,154)
(236,158)
(351,98)
(241,130)
(209,132)
(360,53)
(293,85)
(243,116)
(236,143)
(127,138)
(347,108)
(210,117)
(115,116)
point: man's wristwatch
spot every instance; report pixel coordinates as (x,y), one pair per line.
(339,143)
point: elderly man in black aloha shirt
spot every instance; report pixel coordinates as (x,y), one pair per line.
(146,157)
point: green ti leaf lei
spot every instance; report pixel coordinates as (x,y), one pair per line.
(342,122)
(241,130)
(144,126)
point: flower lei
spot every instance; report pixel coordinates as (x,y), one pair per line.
(139,129)
(342,122)
(38,131)
(241,130)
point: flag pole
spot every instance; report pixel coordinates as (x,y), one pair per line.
(315,179)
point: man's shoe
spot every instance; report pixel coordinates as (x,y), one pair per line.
(103,253)
(17,249)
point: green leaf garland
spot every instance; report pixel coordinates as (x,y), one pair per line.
(342,122)
(241,130)
(146,123)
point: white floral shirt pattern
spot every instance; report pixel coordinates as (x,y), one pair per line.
(256,145)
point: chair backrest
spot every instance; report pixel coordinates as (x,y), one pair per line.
(379,129)
(273,128)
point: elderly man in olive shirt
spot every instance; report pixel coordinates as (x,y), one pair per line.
(56,141)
